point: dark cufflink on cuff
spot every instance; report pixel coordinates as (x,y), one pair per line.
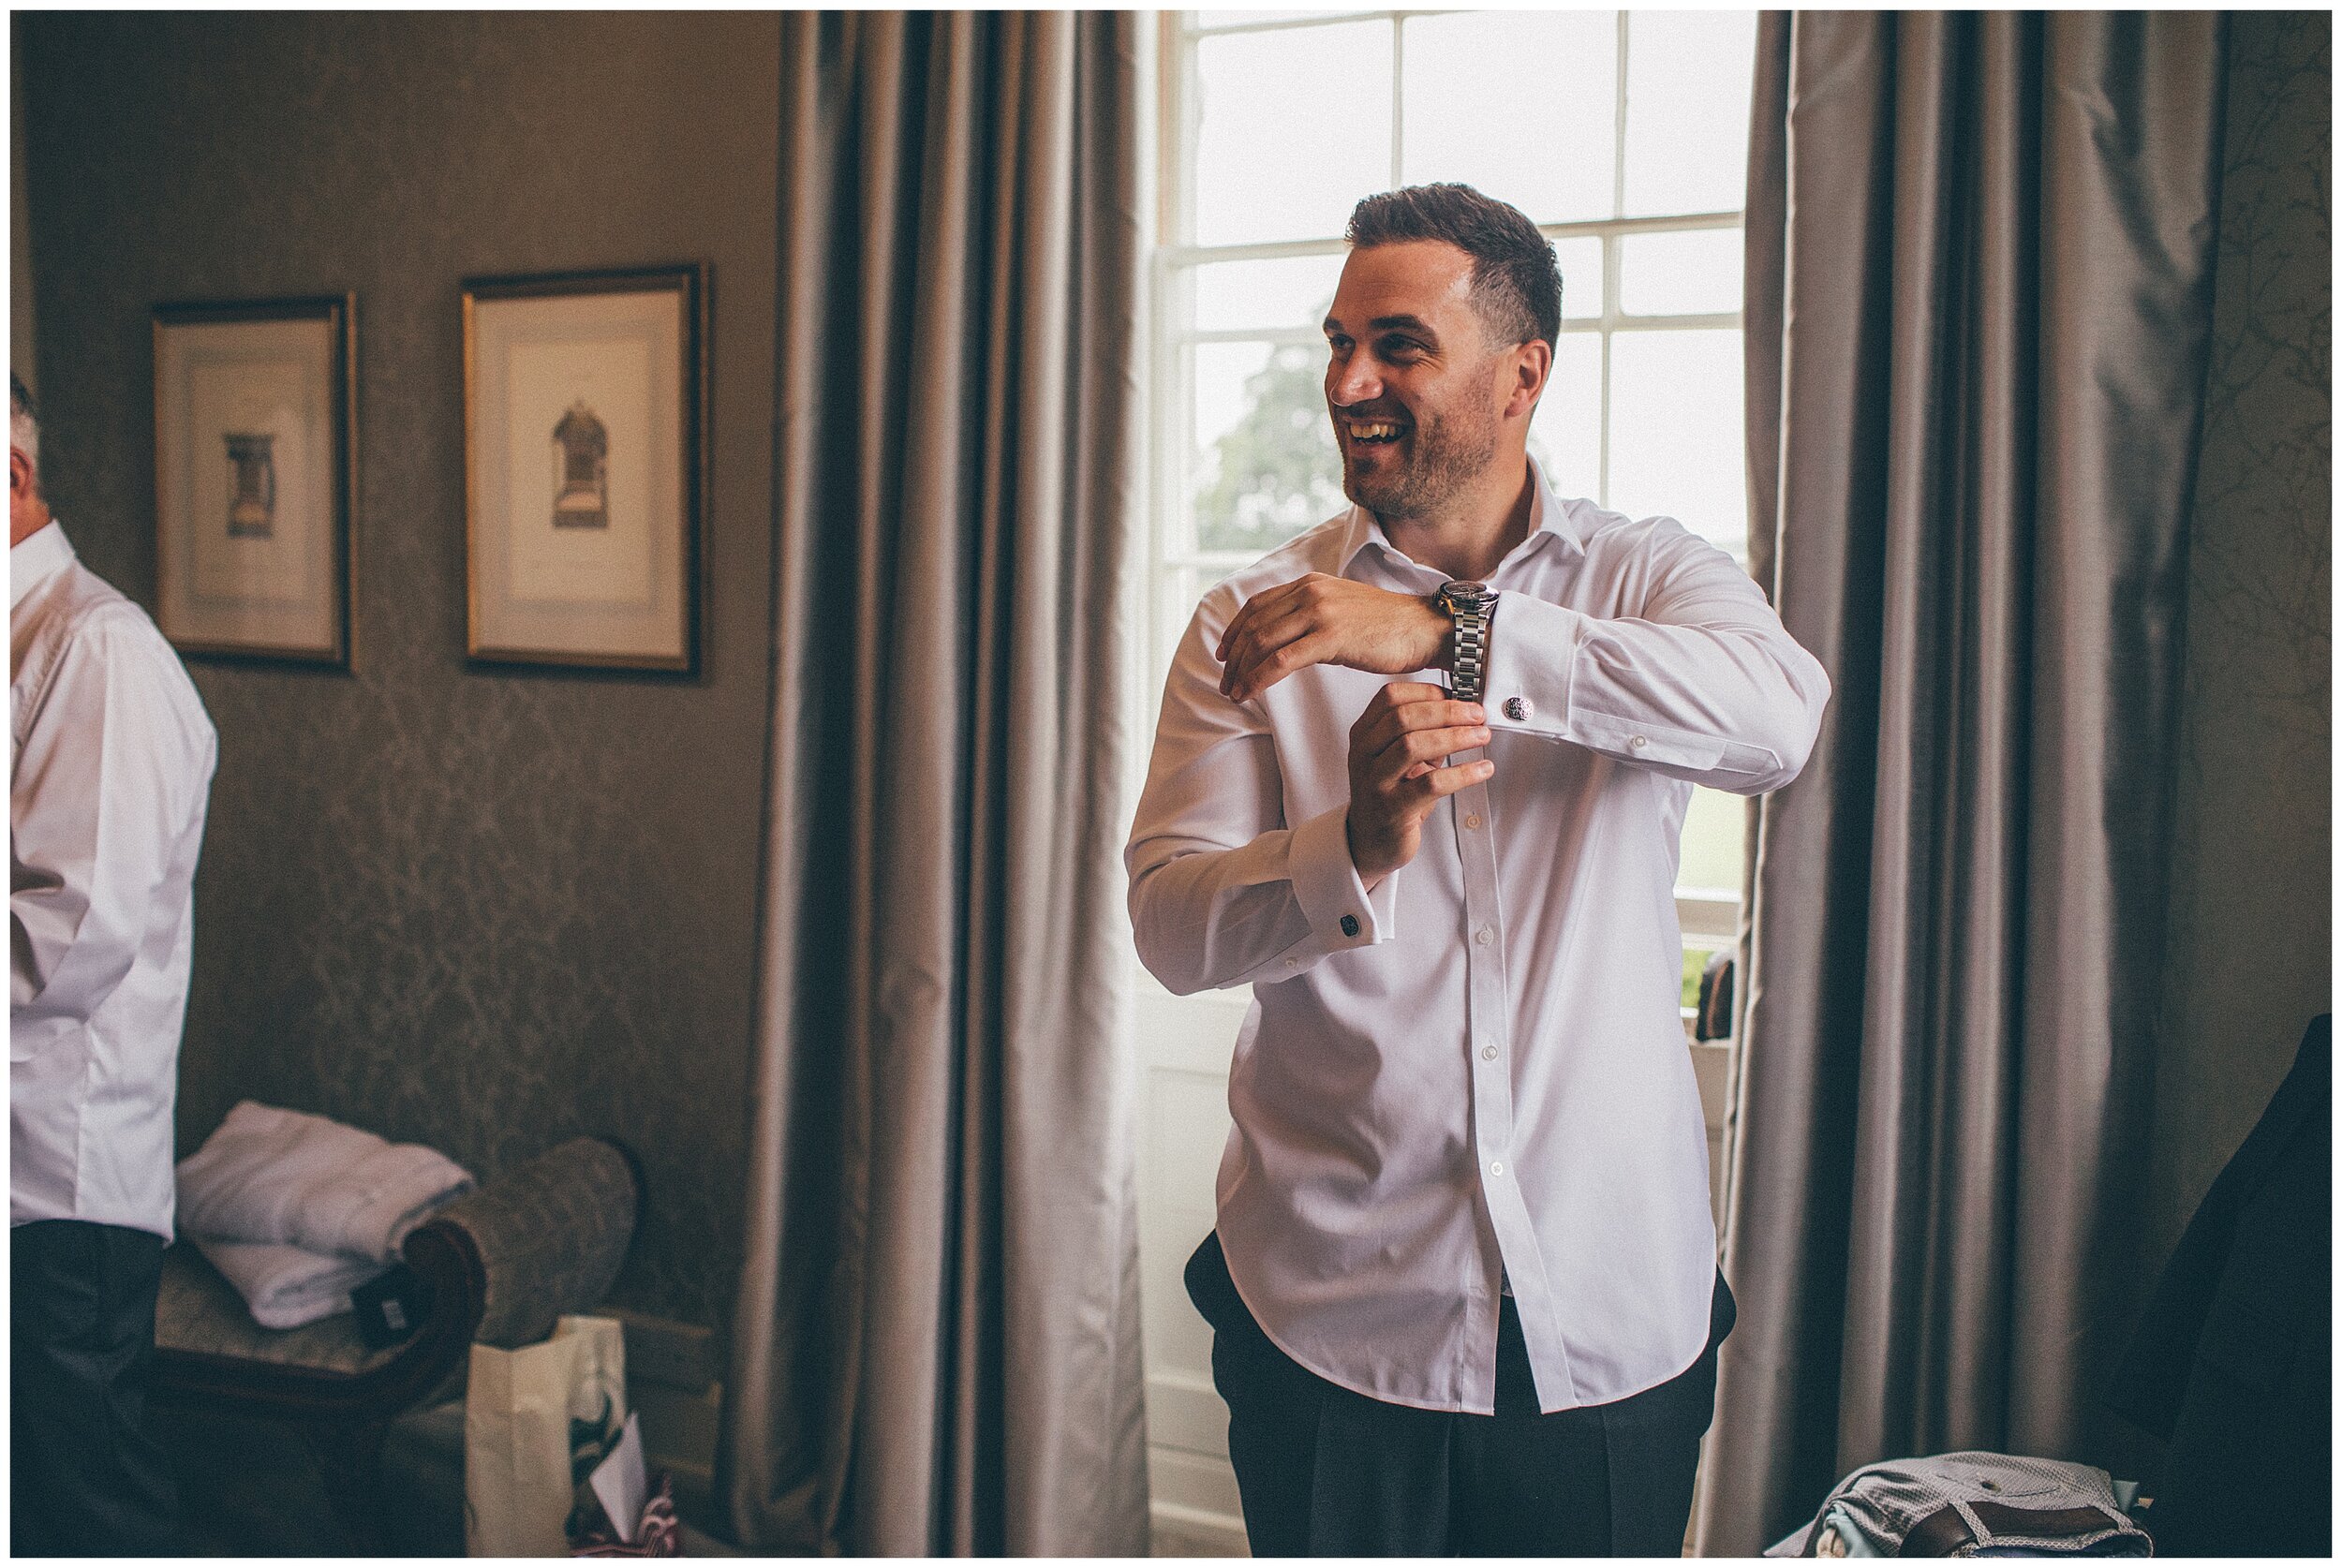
(1349,925)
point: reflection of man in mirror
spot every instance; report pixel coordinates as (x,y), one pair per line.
(107,794)
(1463,1283)
(581,470)
(252,487)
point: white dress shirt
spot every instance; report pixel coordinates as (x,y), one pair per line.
(1479,1070)
(109,781)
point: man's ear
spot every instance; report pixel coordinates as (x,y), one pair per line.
(1530,367)
(20,480)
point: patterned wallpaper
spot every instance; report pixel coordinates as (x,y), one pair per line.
(484,911)
(2251,935)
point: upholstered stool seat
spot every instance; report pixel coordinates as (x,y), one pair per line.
(198,1312)
(501,1264)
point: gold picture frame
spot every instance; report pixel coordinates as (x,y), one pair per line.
(256,484)
(586,467)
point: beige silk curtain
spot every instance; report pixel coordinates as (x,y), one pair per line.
(936,1343)
(1979,252)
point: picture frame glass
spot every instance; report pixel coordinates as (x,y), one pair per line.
(248,482)
(580,445)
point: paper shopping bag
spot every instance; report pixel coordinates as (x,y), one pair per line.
(537,1420)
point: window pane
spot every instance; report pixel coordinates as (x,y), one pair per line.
(1267,166)
(1221,371)
(1676,442)
(1582,278)
(1714,833)
(1266,467)
(1688,75)
(1522,105)
(1295,292)
(1696,952)
(1686,273)
(1565,434)
(1239,19)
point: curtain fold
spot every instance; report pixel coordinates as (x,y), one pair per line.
(1979,254)
(936,1341)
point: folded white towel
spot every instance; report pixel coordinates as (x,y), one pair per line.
(285,1286)
(270,1175)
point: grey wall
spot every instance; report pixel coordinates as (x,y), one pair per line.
(2251,940)
(484,911)
(19,239)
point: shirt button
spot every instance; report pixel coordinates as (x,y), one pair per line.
(1518,709)
(1639,743)
(1496,1167)
(1349,925)
(1293,963)
(1484,936)
(1473,822)
(1487,1053)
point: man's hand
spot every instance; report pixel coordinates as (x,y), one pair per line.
(1319,619)
(1394,778)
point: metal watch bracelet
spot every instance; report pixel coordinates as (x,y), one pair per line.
(1468,606)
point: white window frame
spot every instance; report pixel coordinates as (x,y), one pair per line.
(1183,1044)
(1179,571)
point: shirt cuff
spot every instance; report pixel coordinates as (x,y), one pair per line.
(1533,689)
(1533,658)
(1326,885)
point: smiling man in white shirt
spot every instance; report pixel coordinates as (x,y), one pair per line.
(1464,1283)
(107,785)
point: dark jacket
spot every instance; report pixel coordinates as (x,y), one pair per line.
(2231,1364)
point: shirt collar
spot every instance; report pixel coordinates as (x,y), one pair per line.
(42,555)
(1550,519)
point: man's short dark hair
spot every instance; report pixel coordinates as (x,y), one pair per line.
(1516,282)
(20,401)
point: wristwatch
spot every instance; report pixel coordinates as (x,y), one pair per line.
(1470,606)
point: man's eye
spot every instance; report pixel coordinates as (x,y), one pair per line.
(1400,348)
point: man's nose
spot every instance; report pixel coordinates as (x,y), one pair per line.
(1353,383)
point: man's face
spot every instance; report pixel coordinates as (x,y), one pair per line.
(1412,382)
(27,513)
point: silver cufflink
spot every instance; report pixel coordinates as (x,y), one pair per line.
(1518,709)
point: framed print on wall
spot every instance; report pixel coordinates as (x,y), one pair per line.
(585,420)
(255,477)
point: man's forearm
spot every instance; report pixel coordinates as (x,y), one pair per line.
(1267,909)
(1733,708)
(66,955)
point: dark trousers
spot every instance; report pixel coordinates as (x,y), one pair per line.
(85,1478)
(1324,1472)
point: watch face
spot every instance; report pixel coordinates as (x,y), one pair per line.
(1472,594)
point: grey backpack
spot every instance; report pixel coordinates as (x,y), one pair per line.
(1970,1505)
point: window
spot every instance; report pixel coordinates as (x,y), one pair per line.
(1623,135)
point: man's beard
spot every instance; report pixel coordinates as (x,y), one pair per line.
(1448,457)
